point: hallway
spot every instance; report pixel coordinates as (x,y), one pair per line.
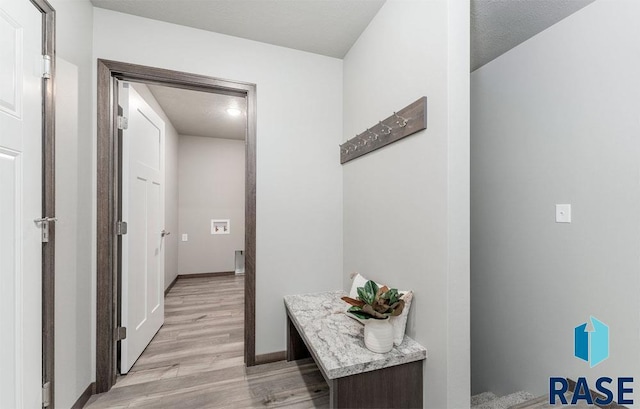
(196,359)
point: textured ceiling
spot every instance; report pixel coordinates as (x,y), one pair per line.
(327,27)
(330,27)
(499,25)
(202,113)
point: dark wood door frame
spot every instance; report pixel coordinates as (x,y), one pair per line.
(107,200)
(48,196)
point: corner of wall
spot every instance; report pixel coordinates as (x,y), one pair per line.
(459,206)
(406,206)
(75,255)
(553,122)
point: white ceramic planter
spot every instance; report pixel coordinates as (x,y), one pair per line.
(378,335)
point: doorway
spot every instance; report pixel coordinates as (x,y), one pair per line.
(109,213)
(182,189)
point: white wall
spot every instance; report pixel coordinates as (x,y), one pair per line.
(74,204)
(299,182)
(406,206)
(171,139)
(211,177)
(556,120)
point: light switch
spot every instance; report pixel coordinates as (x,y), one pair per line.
(563,213)
(185,237)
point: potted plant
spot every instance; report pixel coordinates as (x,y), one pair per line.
(375,305)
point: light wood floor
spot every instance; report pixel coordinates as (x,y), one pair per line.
(196,359)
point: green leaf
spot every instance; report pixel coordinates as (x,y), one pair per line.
(354,308)
(362,295)
(371,289)
(360,314)
(393,295)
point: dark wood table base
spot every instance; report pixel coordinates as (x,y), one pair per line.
(397,386)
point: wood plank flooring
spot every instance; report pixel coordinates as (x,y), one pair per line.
(196,359)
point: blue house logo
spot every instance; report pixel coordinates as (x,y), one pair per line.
(591,345)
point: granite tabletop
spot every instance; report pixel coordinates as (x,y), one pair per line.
(337,341)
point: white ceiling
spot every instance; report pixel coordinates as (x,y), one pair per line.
(202,113)
(327,27)
(330,27)
(499,25)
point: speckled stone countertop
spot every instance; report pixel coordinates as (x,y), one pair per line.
(337,341)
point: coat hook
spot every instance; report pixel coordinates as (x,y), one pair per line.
(386,129)
(399,118)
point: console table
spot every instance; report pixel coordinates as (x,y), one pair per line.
(358,378)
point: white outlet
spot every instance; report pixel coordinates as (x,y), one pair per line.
(563,213)
(185,237)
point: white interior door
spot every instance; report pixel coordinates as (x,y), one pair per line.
(143,210)
(20,204)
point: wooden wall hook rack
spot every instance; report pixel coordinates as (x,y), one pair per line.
(407,121)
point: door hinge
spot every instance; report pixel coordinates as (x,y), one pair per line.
(46,66)
(121,333)
(44,225)
(46,394)
(121,228)
(123,122)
